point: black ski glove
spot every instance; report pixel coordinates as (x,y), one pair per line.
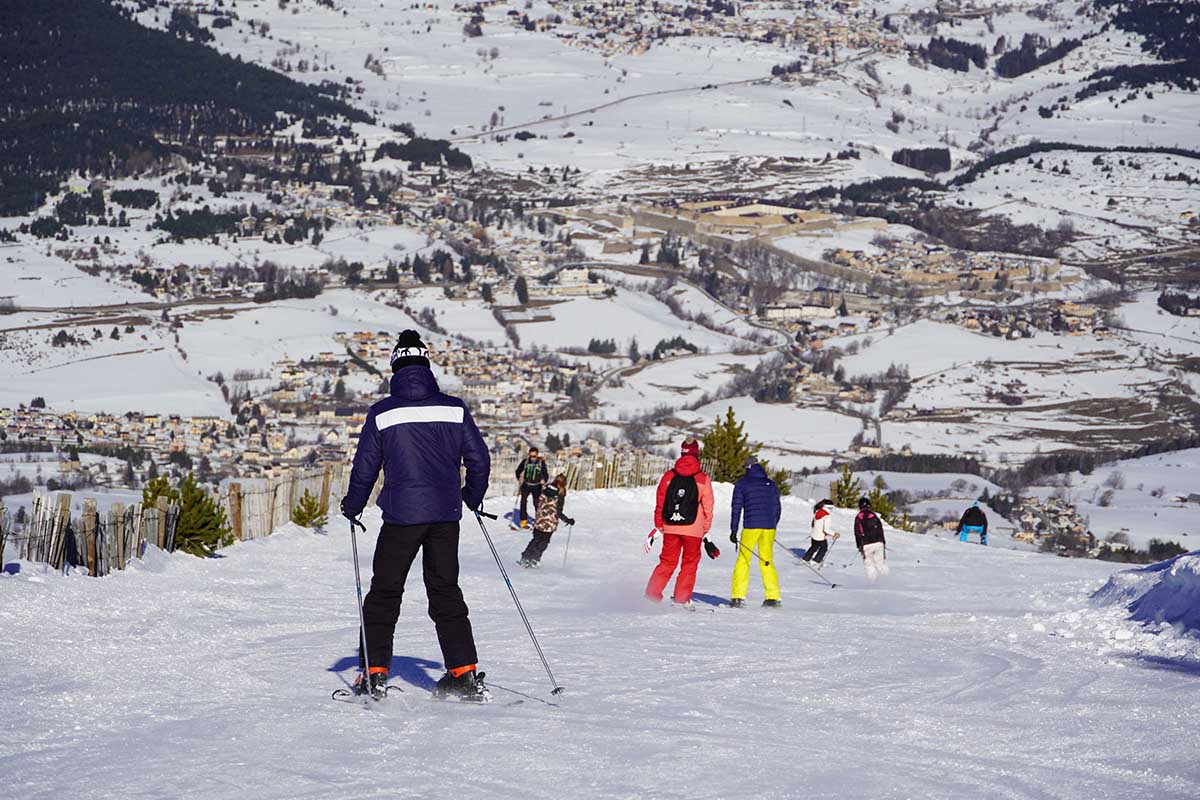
(467,501)
(711,549)
(733,537)
(568,520)
(352,516)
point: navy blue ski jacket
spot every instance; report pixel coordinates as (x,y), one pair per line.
(420,437)
(757,498)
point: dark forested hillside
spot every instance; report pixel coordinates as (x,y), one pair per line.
(85,87)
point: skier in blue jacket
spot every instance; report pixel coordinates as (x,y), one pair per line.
(419,437)
(756,504)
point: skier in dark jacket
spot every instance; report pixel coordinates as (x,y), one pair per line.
(973,521)
(420,438)
(756,505)
(872,546)
(532,475)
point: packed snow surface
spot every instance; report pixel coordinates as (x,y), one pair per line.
(969,672)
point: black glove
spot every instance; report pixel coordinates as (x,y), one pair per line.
(733,537)
(347,513)
(467,501)
(711,549)
(568,520)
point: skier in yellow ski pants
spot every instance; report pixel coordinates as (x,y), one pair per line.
(764,540)
(755,505)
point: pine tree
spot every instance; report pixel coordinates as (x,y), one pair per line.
(846,490)
(886,508)
(728,446)
(202,526)
(881,504)
(157,487)
(522,290)
(309,512)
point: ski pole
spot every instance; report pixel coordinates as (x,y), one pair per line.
(479,515)
(362,624)
(816,571)
(756,555)
(567,549)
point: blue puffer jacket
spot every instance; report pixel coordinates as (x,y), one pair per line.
(757,497)
(419,437)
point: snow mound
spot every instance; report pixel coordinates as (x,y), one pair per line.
(1168,591)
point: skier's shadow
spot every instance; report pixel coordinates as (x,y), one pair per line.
(413,671)
(710,599)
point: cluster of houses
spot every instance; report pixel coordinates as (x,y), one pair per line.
(930,270)
(631,26)
(498,385)
(1054,524)
(1059,317)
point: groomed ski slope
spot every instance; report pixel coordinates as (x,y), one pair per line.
(970,672)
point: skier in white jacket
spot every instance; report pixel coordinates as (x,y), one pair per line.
(821,530)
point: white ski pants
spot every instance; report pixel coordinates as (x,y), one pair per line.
(874,562)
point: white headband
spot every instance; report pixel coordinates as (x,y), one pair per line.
(405,352)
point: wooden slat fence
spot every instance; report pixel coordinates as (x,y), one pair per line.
(106,541)
(101,542)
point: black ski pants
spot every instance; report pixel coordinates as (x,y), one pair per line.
(816,550)
(527,491)
(394,554)
(537,546)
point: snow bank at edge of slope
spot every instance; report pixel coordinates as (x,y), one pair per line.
(1166,592)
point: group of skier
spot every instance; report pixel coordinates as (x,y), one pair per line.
(683,514)
(421,438)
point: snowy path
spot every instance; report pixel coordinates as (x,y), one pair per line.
(968,673)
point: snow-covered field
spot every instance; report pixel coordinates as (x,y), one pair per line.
(968,672)
(791,435)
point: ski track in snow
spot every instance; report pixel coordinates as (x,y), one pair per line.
(969,672)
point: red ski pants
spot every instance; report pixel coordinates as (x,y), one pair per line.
(674,544)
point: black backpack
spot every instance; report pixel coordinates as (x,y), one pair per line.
(682,503)
(872,528)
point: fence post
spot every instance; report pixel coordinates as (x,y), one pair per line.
(3,533)
(326,485)
(116,531)
(293,483)
(161,534)
(89,533)
(61,523)
(235,509)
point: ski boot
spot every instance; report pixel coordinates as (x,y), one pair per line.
(376,686)
(772,604)
(467,687)
(737,602)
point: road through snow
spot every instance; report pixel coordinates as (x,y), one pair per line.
(970,672)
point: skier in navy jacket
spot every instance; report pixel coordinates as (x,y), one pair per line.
(419,437)
(756,505)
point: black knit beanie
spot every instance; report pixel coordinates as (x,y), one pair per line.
(410,351)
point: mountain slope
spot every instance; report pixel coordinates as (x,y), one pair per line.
(87,88)
(969,672)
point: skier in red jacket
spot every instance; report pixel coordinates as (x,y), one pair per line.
(683,512)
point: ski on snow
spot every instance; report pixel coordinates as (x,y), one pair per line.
(370,700)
